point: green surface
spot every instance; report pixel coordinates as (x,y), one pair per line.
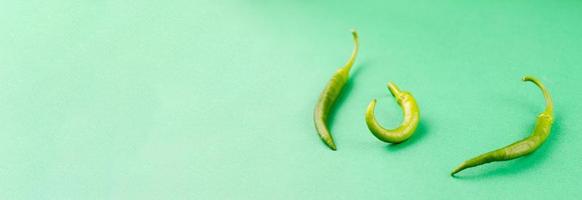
(214,100)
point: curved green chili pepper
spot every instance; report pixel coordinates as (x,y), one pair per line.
(329,95)
(409,124)
(524,146)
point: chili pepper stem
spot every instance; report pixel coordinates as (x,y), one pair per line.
(394,90)
(547,97)
(348,66)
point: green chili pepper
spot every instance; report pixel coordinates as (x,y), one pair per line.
(330,94)
(524,146)
(409,124)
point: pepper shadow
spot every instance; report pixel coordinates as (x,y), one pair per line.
(346,92)
(420,133)
(519,165)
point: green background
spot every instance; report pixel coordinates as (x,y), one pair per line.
(214,99)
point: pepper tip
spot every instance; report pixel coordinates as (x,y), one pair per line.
(332,147)
(458,169)
(329,143)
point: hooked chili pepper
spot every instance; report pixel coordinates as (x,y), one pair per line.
(522,147)
(409,124)
(329,95)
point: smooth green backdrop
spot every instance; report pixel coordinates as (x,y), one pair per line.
(214,99)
